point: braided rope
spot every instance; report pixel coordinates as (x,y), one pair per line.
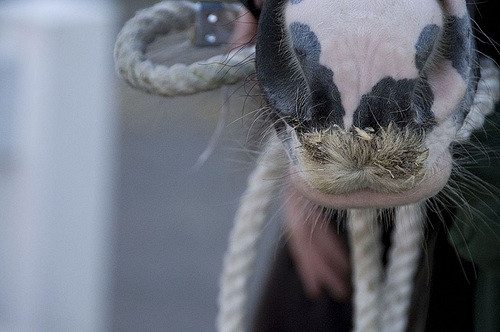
(249,221)
(366,252)
(180,79)
(487,94)
(383,305)
(404,257)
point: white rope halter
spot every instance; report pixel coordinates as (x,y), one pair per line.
(180,79)
(380,302)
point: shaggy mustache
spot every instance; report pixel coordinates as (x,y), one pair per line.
(338,161)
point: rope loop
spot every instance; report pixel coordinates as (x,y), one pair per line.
(180,79)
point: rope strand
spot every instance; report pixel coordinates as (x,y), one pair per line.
(249,221)
(404,256)
(366,252)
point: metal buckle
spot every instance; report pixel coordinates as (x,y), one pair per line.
(214,22)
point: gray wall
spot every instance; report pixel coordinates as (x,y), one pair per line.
(173,221)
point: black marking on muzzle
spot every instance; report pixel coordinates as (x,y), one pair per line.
(300,90)
(425,45)
(405,102)
(326,108)
(459,47)
(459,44)
(286,90)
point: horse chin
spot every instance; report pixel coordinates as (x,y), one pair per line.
(435,178)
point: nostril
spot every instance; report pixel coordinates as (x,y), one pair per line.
(402,102)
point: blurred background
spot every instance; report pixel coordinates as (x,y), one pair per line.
(105,222)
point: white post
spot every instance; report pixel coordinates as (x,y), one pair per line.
(56,177)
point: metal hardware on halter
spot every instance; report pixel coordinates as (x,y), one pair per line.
(213,22)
